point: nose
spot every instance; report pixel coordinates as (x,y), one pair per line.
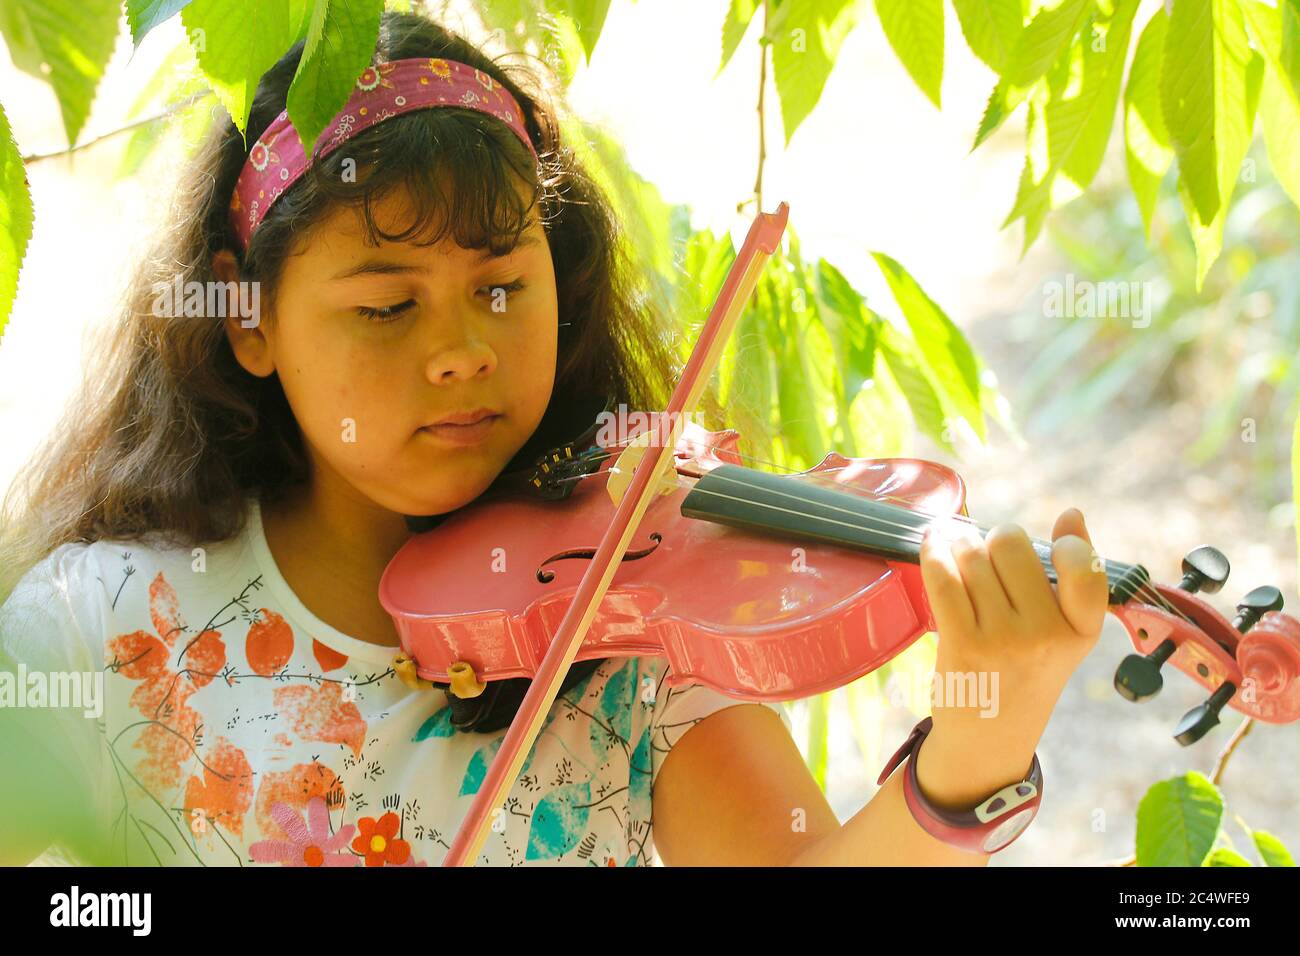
(461,358)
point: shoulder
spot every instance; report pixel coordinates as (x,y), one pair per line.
(82,591)
(58,597)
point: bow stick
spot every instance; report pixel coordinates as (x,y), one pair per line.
(761,242)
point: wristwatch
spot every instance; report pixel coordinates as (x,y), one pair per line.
(992,825)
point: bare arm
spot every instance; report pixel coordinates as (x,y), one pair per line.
(734,790)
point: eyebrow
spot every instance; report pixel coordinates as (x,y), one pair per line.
(388,267)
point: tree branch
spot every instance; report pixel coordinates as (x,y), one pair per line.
(165,114)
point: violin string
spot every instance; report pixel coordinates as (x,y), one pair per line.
(903,502)
(1152,596)
(1144,590)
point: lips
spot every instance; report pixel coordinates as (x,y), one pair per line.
(465,418)
(464,428)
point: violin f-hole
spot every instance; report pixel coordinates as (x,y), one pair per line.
(546,577)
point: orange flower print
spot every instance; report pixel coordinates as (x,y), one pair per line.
(328,658)
(377,842)
(225,793)
(269,643)
(322,713)
(440,68)
(170,666)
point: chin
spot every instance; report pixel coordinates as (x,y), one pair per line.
(448,499)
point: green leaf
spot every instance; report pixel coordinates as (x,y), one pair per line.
(904,363)
(947,353)
(1279,105)
(340,44)
(15,218)
(177,78)
(1047,36)
(1271,849)
(144,15)
(67,43)
(1209,89)
(1280,116)
(300,18)
(235,43)
(1177,821)
(528,24)
(588,17)
(787,332)
(1290,52)
(854,333)
(806,37)
(991,28)
(1147,148)
(1067,140)
(1038,47)
(1002,103)
(1225,857)
(739,15)
(914,29)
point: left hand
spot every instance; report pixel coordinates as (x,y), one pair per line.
(999,618)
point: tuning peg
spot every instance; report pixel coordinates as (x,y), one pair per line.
(1204,569)
(1255,605)
(1138,677)
(1200,720)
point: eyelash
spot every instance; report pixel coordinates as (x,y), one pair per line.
(391,313)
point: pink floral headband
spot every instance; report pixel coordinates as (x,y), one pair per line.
(277,160)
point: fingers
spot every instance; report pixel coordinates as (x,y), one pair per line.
(943,585)
(985,594)
(1082,588)
(1021,570)
(1071,522)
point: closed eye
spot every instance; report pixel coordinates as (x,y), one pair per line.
(390,313)
(385,313)
(511,288)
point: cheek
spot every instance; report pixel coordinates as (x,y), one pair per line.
(337,392)
(530,354)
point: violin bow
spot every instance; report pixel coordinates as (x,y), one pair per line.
(761,242)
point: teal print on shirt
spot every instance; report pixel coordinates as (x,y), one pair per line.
(611,720)
(559,821)
(438,725)
(478,764)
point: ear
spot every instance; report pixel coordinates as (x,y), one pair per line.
(247,338)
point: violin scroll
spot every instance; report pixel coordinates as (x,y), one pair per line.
(1251,663)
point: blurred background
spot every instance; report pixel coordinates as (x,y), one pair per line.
(1167,436)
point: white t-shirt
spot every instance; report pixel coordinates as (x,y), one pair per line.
(237,728)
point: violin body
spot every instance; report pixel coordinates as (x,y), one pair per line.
(750,615)
(754,613)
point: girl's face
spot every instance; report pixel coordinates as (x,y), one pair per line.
(372,344)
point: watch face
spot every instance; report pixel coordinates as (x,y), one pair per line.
(1008,830)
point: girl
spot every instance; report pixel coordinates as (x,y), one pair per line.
(204,537)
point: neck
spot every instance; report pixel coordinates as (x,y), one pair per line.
(332,544)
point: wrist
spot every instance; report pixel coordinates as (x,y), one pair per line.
(957,770)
